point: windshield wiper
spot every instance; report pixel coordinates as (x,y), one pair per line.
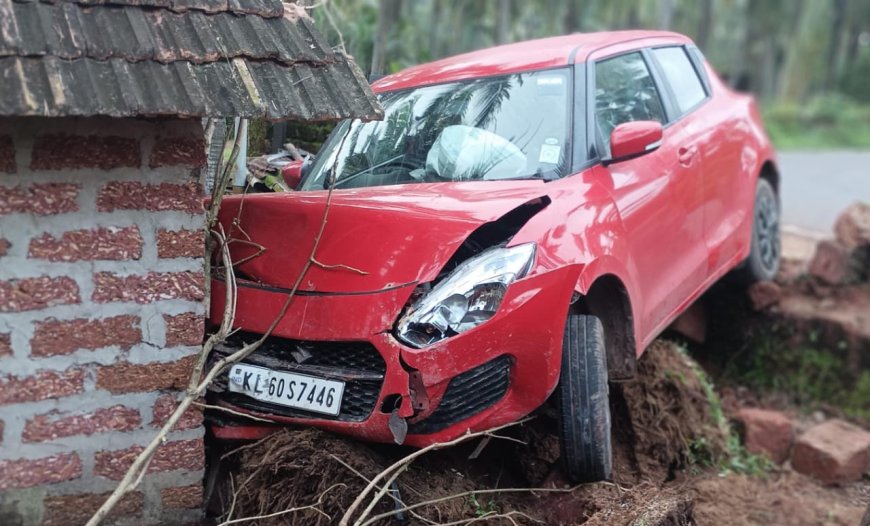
(546,176)
(370,169)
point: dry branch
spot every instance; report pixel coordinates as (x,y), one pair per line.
(401,465)
(198,385)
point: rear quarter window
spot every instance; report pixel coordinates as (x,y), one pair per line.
(682,77)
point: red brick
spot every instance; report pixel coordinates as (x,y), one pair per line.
(166,404)
(136,378)
(25,294)
(188,455)
(7,155)
(26,473)
(178,151)
(764,294)
(4,246)
(50,426)
(41,386)
(766,432)
(831,263)
(833,452)
(64,152)
(134,195)
(53,337)
(154,286)
(75,510)
(5,344)
(184,329)
(180,244)
(40,199)
(111,243)
(187,497)
(853,226)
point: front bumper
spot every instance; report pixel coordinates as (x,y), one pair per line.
(491,375)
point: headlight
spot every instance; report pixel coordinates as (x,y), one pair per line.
(469,296)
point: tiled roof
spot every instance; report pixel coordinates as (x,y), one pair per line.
(205,58)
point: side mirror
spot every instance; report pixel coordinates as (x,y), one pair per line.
(292,173)
(633,139)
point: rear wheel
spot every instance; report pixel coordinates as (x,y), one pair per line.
(583,401)
(763,261)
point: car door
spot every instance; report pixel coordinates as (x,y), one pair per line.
(657,194)
(715,152)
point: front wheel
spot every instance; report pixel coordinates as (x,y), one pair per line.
(764,256)
(584,401)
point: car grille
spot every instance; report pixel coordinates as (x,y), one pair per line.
(358,364)
(468,394)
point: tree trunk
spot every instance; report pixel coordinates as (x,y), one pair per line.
(789,81)
(387,15)
(666,14)
(502,34)
(632,21)
(838,23)
(571,18)
(435,29)
(705,24)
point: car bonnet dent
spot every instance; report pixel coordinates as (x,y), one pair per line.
(393,238)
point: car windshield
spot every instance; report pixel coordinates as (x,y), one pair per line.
(493,128)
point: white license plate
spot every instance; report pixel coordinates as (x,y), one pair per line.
(290,389)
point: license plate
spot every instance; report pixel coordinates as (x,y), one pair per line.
(289,389)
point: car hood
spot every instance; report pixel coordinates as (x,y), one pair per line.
(374,238)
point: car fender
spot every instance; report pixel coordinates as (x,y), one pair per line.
(589,235)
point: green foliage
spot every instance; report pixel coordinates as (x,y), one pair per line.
(810,374)
(258,140)
(736,459)
(854,81)
(830,121)
(482,509)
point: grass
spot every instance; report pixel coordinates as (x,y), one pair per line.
(736,459)
(809,373)
(824,123)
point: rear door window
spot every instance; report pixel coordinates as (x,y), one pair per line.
(625,91)
(687,87)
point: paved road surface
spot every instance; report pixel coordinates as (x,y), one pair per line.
(816,186)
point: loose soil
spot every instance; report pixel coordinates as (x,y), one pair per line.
(669,447)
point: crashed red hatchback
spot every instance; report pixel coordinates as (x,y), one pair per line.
(522,223)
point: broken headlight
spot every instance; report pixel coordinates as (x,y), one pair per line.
(469,296)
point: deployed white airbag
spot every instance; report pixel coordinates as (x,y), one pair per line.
(465,153)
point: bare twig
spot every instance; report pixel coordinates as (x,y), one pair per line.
(340,266)
(197,386)
(285,512)
(464,494)
(396,499)
(388,472)
(232,412)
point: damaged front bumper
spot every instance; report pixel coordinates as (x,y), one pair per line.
(491,375)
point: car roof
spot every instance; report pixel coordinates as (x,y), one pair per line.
(529,55)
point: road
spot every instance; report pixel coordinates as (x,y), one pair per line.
(817,186)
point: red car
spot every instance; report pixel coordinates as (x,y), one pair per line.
(524,221)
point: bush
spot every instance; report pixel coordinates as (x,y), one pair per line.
(826,122)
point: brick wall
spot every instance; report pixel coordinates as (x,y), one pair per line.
(101,312)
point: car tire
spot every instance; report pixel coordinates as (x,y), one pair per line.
(584,401)
(764,255)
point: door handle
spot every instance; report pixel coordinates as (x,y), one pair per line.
(686,154)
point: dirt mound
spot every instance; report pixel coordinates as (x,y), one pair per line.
(658,418)
(299,468)
(787,499)
(671,411)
